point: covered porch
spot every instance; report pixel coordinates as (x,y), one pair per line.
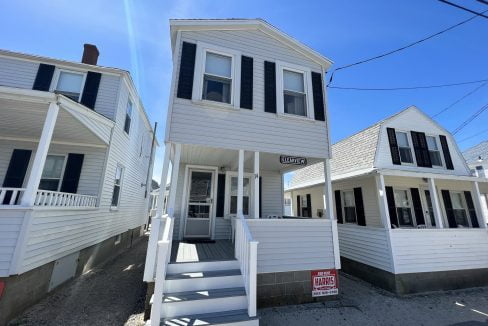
(52,150)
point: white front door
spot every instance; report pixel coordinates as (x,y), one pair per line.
(231,194)
(200,204)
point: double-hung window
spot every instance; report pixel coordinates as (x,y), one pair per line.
(403,207)
(459,209)
(70,84)
(434,153)
(294,96)
(117,185)
(128,117)
(246,194)
(349,207)
(404,147)
(217,78)
(52,173)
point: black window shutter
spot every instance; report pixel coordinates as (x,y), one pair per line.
(72,173)
(309,205)
(260,196)
(390,198)
(187,70)
(338,203)
(246,82)
(447,154)
(269,87)
(90,91)
(318,96)
(358,198)
(395,153)
(417,206)
(451,220)
(44,77)
(471,209)
(17,168)
(220,195)
(421,150)
(298,206)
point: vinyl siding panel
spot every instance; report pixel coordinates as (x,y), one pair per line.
(292,245)
(17,73)
(316,196)
(223,228)
(10,228)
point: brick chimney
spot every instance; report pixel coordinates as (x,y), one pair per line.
(90,54)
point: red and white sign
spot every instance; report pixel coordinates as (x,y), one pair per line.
(324,282)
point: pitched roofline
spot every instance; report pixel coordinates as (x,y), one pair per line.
(244,24)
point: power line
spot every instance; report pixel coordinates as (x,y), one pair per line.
(459,100)
(471,118)
(408,87)
(405,47)
(472,136)
(466,9)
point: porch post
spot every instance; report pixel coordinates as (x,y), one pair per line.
(256,185)
(329,207)
(382,201)
(435,204)
(478,205)
(240,183)
(174,181)
(41,153)
(164,179)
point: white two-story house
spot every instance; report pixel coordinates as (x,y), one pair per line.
(410,212)
(247,104)
(75,160)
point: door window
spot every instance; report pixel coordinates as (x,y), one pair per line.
(430,208)
(246,193)
(200,195)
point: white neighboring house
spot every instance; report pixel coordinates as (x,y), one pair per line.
(409,209)
(75,147)
(244,98)
(477,159)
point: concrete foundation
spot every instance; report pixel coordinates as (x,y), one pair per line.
(416,282)
(24,290)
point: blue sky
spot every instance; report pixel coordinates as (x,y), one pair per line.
(134,35)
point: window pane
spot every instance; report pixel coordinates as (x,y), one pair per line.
(457,202)
(219,65)
(293,81)
(115,196)
(199,211)
(129,108)
(401,198)
(435,158)
(404,216)
(431,143)
(200,187)
(49,184)
(69,84)
(430,208)
(349,199)
(406,155)
(461,218)
(294,103)
(118,174)
(216,89)
(233,187)
(245,205)
(53,166)
(350,214)
(402,139)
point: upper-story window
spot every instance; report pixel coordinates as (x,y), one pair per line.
(404,147)
(294,96)
(70,84)
(434,153)
(217,79)
(128,117)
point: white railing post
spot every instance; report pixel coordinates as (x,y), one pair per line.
(159,283)
(163,181)
(240,182)
(152,250)
(256,185)
(174,181)
(253,267)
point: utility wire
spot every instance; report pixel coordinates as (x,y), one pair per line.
(472,136)
(459,100)
(466,9)
(471,118)
(406,46)
(409,87)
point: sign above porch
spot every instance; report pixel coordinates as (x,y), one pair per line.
(293,160)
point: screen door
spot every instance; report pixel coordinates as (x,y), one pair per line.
(200,204)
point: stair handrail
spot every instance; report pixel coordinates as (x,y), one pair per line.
(246,249)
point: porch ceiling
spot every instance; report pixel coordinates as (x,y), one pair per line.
(228,159)
(24,120)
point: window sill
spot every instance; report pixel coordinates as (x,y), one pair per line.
(114,208)
(216,105)
(295,117)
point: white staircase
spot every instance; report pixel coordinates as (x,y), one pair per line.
(205,293)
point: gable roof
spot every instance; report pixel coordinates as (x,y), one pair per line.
(472,155)
(245,24)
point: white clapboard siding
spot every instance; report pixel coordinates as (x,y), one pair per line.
(292,245)
(366,245)
(17,73)
(316,195)
(252,130)
(223,228)
(431,250)
(10,226)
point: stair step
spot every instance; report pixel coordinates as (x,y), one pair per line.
(204,294)
(233,317)
(192,281)
(203,266)
(193,275)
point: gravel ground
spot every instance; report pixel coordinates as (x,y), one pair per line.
(113,294)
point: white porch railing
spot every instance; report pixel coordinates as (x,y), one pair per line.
(47,198)
(246,250)
(158,256)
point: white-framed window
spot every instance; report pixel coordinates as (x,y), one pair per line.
(128,117)
(230,206)
(69,83)
(349,204)
(459,209)
(117,186)
(294,90)
(53,171)
(404,207)
(434,152)
(404,147)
